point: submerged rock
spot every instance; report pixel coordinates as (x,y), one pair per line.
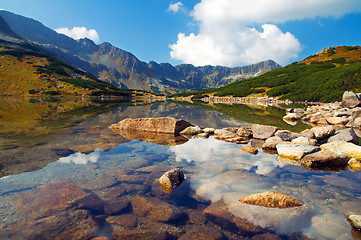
(158,125)
(250,149)
(47,200)
(203,233)
(218,213)
(78,224)
(146,234)
(171,179)
(156,209)
(295,151)
(271,200)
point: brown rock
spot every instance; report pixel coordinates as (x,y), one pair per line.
(196,216)
(308,134)
(112,192)
(139,189)
(56,197)
(116,205)
(237,140)
(144,234)
(266,236)
(263,131)
(219,214)
(325,160)
(155,209)
(257,143)
(243,132)
(203,233)
(158,125)
(250,149)
(125,220)
(323,132)
(337,120)
(100,183)
(132,178)
(171,179)
(222,134)
(271,200)
(272,142)
(77,224)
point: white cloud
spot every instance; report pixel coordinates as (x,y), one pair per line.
(226,38)
(79,32)
(176,7)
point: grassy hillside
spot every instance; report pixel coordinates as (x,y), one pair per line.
(321,77)
(24,73)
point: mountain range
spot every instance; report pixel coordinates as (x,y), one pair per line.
(121,68)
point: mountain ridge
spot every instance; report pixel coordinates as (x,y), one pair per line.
(122,68)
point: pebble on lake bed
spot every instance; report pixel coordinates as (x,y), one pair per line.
(171,179)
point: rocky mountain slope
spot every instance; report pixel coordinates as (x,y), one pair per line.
(122,68)
(324,77)
(28,69)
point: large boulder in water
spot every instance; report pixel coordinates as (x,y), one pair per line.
(158,125)
(350,100)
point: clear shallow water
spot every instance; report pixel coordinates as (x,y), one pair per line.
(216,171)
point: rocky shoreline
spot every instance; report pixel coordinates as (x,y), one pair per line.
(331,144)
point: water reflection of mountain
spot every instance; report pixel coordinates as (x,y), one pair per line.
(35,132)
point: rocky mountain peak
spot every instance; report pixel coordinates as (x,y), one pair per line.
(122,68)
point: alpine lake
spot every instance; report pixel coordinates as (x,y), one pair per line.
(65,175)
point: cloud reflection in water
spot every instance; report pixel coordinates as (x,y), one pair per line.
(80,158)
(226,172)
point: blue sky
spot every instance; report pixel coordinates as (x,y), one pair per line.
(201,32)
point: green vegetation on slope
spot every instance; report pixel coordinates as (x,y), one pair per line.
(323,77)
(24,72)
